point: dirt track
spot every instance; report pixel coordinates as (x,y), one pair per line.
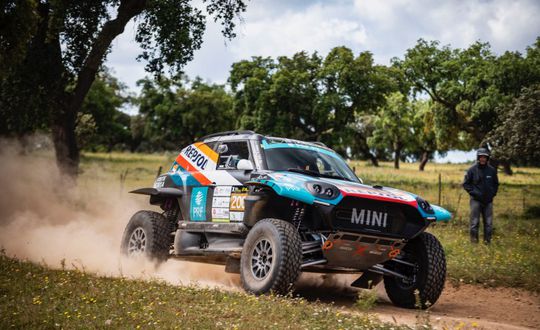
(465,307)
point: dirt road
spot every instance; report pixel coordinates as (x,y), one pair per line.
(463,307)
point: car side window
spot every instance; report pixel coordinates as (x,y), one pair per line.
(212,145)
(230,154)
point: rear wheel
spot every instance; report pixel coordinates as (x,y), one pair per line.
(147,234)
(271,257)
(424,265)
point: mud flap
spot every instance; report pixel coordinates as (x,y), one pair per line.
(367,280)
(232,265)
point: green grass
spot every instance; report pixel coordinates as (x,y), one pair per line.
(32,296)
(512,260)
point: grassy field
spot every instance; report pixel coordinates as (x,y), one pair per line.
(32,297)
(512,260)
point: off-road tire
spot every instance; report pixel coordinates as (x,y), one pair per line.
(286,257)
(427,253)
(156,231)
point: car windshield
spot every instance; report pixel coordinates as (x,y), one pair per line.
(307,159)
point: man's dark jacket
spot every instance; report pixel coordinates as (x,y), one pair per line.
(481,182)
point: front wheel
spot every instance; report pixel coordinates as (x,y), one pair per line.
(147,234)
(271,257)
(424,265)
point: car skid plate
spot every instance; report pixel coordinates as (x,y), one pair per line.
(352,250)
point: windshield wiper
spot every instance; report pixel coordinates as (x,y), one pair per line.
(313,173)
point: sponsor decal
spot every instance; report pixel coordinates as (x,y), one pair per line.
(196,156)
(369,218)
(220,214)
(160,181)
(221,202)
(198,204)
(360,250)
(238,195)
(290,187)
(237,202)
(236,216)
(378,193)
(223,191)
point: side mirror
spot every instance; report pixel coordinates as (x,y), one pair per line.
(223,148)
(244,164)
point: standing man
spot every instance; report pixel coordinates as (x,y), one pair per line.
(482,183)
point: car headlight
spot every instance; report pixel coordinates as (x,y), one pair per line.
(322,190)
(424,205)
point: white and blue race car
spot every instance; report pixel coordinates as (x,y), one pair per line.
(270,208)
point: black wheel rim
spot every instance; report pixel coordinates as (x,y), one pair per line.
(137,242)
(262,258)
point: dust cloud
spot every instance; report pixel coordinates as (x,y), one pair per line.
(45,220)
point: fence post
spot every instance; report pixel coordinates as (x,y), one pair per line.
(440,188)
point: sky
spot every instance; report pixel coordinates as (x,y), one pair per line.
(387,28)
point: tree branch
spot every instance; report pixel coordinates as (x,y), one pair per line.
(111,29)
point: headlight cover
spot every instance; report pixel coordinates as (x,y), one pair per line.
(424,205)
(322,190)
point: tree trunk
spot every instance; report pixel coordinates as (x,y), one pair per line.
(374,160)
(507,168)
(397,156)
(506,165)
(63,126)
(424,160)
(65,143)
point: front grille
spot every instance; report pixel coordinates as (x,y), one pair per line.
(366,215)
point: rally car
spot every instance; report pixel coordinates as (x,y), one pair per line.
(269,208)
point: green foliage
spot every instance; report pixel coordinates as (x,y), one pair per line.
(466,86)
(16,25)
(517,137)
(111,126)
(367,300)
(49,63)
(394,126)
(308,97)
(86,129)
(172,115)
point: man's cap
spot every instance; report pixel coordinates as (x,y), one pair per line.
(483,152)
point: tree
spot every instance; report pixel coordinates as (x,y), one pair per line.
(517,138)
(456,81)
(172,114)
(394,126)
(424,143)
(49,68)
(467,86)
(102,108)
